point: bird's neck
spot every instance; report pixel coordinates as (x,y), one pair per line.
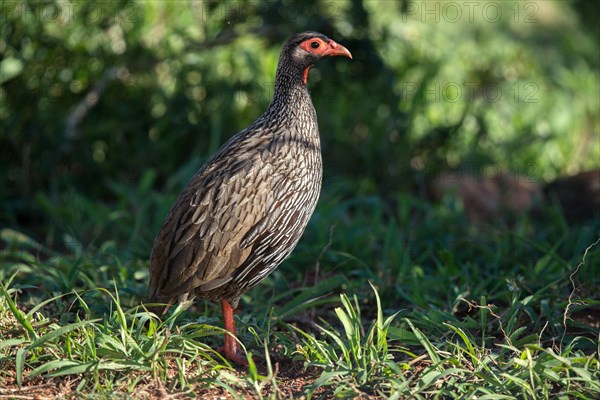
(290,94)
(291,97)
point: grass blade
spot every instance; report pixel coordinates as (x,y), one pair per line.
(59,332)
(20,363)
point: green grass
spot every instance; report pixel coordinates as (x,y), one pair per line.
(422,305)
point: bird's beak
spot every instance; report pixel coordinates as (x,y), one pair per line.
(336,49)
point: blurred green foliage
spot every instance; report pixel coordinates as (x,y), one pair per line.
(116,100)
(107,108)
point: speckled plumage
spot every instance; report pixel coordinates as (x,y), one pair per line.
(246,208)
(243,212)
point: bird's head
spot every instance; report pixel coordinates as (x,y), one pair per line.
(308,48)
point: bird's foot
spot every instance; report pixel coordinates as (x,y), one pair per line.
(233,354)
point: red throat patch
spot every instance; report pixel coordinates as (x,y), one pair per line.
(306,74)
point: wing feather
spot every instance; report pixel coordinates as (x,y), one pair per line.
(200,240)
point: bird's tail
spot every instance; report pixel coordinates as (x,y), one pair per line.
(160,305)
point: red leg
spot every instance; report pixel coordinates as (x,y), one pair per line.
(231,349)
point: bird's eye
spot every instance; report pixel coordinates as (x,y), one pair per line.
(315,45)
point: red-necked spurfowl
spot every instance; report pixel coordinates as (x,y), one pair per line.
(246,208)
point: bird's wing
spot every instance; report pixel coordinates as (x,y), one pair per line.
(211,228)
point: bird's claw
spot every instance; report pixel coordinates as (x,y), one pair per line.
(234,355)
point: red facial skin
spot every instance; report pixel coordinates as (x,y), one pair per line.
(324,49)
